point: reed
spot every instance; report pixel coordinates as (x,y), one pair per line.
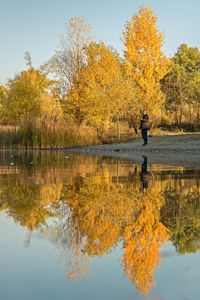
(43,134)
(46,135)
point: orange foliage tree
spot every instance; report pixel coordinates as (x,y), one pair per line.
(145,62)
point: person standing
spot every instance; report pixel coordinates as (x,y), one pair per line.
(145,126)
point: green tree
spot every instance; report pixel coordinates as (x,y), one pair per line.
(181,84)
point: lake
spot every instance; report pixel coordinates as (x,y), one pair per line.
(75,226)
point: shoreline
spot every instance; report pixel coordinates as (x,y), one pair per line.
(176,150)
(172,150)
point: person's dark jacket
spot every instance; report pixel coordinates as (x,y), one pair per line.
(145,122)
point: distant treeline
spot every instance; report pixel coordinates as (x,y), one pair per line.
(87,94)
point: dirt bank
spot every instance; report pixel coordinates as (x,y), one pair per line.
(171,150)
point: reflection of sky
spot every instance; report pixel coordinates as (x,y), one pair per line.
(179,276)
(36,25)
(34,273)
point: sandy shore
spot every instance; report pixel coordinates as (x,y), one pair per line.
(170,150)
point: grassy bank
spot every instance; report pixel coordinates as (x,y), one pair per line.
(58,136)
(45,135)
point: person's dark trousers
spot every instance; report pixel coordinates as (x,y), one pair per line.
(144,136)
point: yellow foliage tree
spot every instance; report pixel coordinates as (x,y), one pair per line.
(145,62)
(51,109)
(23,101)
(3,99)
(100,92)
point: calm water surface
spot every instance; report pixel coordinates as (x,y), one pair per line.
(93,228)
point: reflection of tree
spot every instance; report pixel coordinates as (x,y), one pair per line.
(181,215)
(142,239)
(92,211)
(93,214)
(99,210)
(72,258)
(96,203)
(26,201)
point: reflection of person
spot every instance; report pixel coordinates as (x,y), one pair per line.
(144,126)
(144,174)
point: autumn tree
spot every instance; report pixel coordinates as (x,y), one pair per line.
(194,98)
(70,57)
(28,97)
(28,59)
(145,62)
(23,101)
(3,93)
(101,92)
(3,99)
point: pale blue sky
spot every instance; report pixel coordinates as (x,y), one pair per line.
(35,25)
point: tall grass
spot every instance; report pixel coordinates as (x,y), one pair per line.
(51,135)
(9,136)
(46,135)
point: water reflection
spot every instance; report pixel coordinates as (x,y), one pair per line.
(144,175)
(87,205)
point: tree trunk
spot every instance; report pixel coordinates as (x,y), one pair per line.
(118,129)
(190,113)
